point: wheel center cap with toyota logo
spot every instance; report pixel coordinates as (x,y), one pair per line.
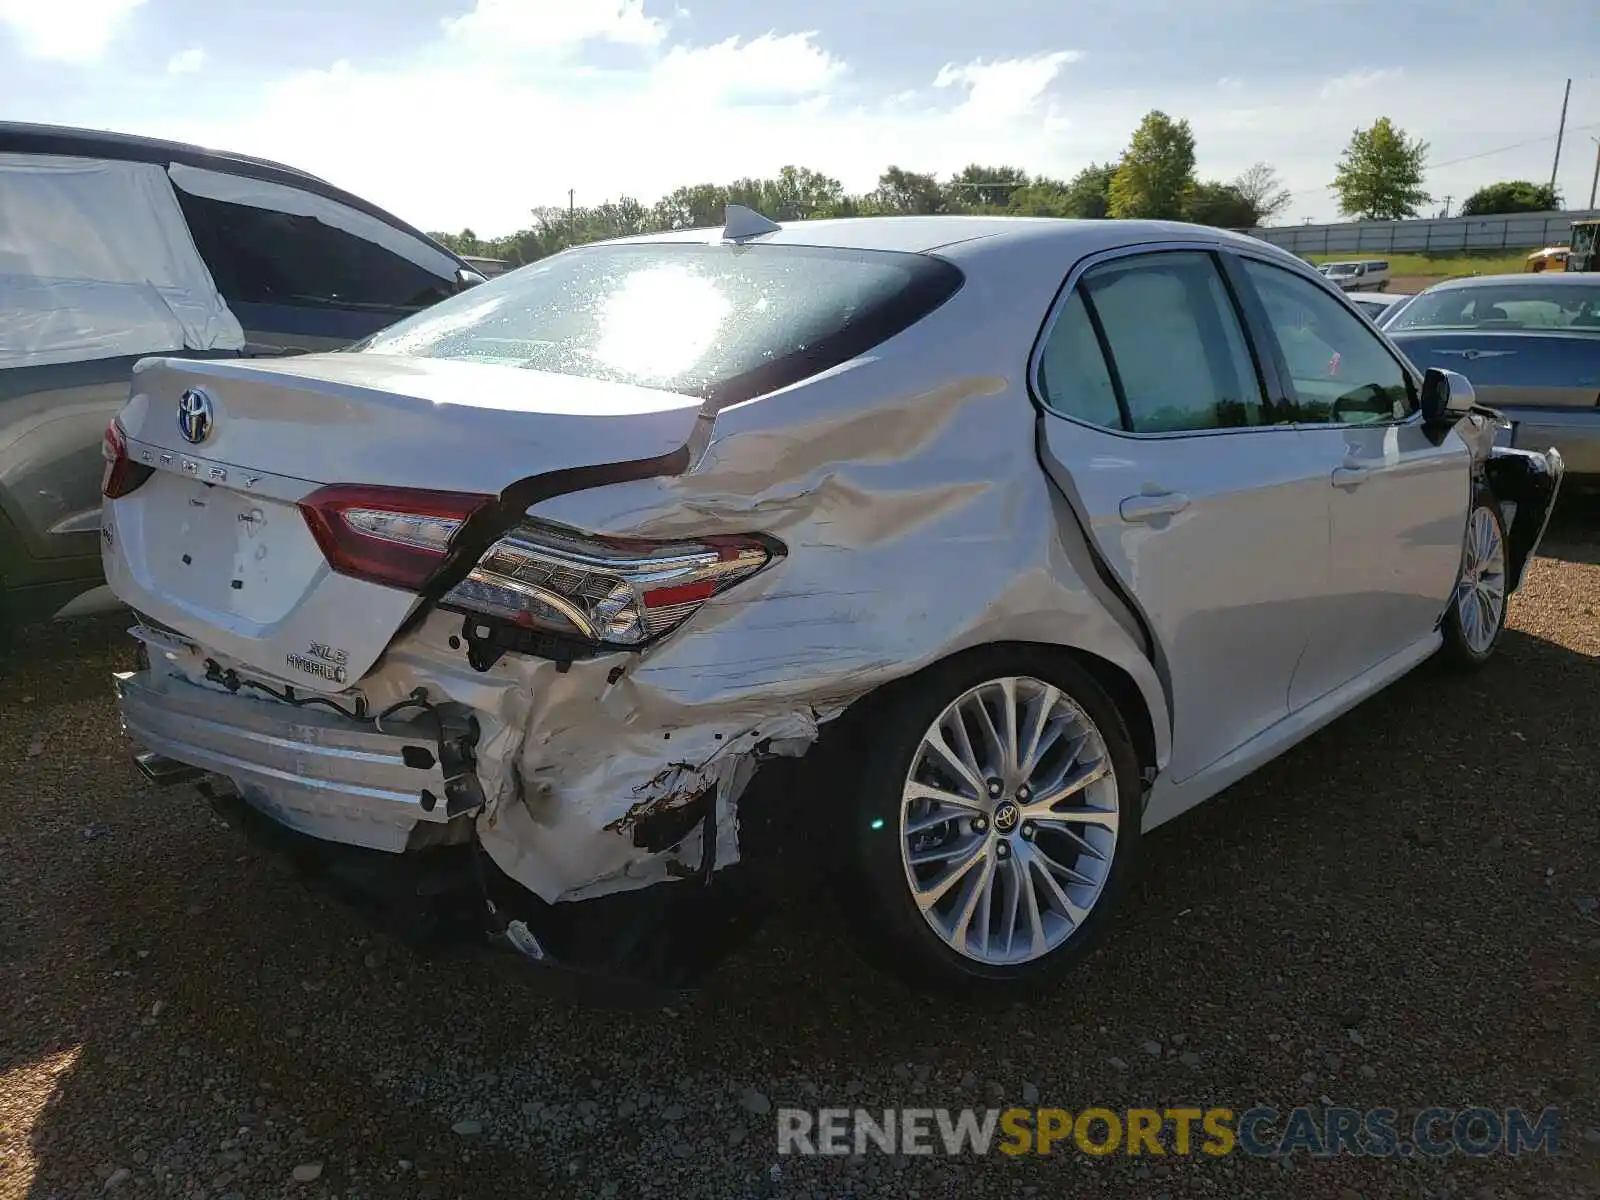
(1006,817)
(194,416)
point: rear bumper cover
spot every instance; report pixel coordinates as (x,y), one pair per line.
(346,804)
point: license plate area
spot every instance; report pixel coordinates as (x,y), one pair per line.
(222,551)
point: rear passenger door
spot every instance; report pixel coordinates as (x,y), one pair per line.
(1211,513)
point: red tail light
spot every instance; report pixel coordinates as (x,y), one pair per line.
(394,536)
(121,475)
(612,591)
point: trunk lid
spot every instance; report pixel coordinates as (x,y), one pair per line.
(1513,369)
(213,546)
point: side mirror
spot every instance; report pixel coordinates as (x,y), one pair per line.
(1446,396)
(467,278)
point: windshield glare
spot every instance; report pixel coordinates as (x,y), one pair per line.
(705,320)
(1512,306)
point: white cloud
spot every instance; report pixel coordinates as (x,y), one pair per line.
(186,62)
(1359,81)
(69,31)
(770,67)
(1229,83)
(517,26)
(524,127)
(687,114)
(1007,88)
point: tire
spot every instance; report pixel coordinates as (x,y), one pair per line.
(1476,618)
(898,760)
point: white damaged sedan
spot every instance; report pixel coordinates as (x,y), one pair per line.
(948,555)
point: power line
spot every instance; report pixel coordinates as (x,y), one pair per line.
(1450,162)
(1502,149)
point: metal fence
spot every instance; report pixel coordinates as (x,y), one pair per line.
(1514,231)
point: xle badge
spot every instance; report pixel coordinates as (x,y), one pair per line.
(323,661)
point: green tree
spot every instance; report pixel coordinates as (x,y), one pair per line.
(977,188)
(1220,204)
(1379,177)
(696,207)
(1044,197)
(1085,197)
(1157,170)
(798,193)
(900,192)
(465,242)
(1261,189)
(1511,196)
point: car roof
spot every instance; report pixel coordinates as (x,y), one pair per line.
(961,236)
(1538,279)
(17,137)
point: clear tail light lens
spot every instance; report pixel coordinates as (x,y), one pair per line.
(621,592)
(393,536)
(121,474)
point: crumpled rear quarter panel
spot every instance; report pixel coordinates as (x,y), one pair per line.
(918,523)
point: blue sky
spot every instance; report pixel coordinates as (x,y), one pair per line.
(460,113)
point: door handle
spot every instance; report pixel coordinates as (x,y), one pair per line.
(1349,476)
(1151,506)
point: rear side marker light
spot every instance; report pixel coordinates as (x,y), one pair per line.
(611,591)
(398,537)
(121,474)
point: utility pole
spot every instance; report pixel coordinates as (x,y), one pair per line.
(1560,130)
(1446,214)
(1594,180)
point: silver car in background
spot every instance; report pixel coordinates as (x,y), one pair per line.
(944,555)
(1377,304)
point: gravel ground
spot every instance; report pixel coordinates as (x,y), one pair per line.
(1401,912)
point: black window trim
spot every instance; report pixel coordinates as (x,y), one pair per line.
(1113,372)
(1266,374)
(1258,315)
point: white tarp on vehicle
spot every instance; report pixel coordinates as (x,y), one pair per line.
(258,193)
(96,261)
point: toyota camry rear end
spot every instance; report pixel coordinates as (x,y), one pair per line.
(506,616)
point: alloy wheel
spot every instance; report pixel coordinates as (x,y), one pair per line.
(1481,593)
(1008,821)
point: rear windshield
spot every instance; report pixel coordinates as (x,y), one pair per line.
(715,321)
(1512,306)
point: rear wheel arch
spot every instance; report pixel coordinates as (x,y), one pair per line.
(888,724)
(1113,679)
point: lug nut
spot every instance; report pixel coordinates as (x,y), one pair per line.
(979,824)
(1027,831)
(994,787)
(1002,850)
(1023,793)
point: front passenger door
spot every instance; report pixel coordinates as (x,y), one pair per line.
(1398,497)
(1212,514)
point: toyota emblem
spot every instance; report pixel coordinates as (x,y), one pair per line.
(194,416)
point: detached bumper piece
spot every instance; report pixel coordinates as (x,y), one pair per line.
(1531,480)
